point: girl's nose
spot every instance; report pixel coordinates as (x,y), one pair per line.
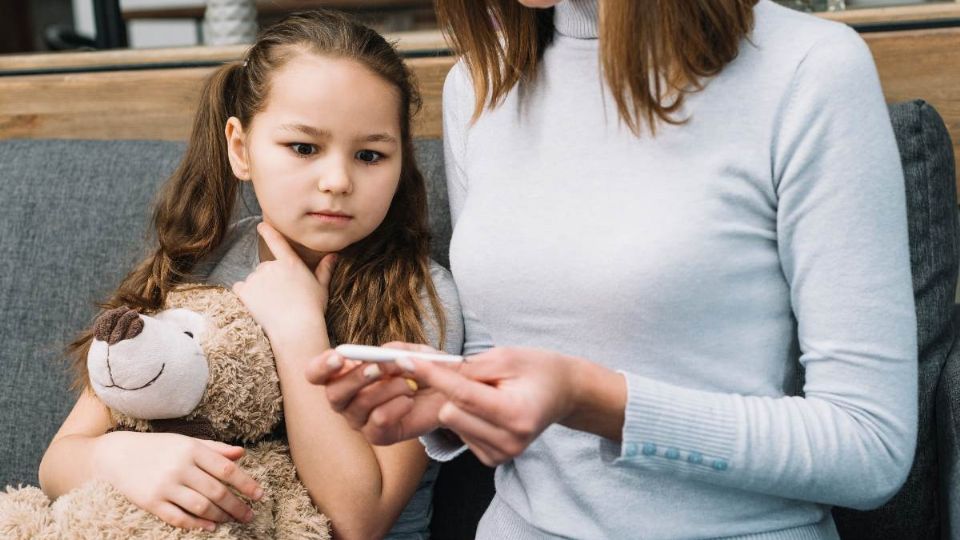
(335,180)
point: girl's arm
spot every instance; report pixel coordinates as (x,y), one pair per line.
(361,488)
(179,479)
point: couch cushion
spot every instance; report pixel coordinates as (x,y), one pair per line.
(948,435)
(73,220)
(927,156)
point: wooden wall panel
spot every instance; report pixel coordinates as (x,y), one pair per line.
(159,103)
(145,104)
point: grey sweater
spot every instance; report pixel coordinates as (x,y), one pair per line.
(706,264)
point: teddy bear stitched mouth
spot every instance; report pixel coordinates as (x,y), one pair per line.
(115,385)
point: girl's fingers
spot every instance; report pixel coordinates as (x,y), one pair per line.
(214,491)
(276,243)
(325,270)
(197,505)
(226,450)
(228,472)
(174,515)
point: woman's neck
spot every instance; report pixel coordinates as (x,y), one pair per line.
(577,18)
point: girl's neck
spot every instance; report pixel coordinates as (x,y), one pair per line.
(310,258)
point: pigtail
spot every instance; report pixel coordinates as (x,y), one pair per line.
(191,214)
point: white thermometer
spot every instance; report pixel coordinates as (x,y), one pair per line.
(369,353)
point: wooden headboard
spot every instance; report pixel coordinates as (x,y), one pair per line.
(144,96)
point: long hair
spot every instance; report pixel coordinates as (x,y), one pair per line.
(375,291)
(652,52)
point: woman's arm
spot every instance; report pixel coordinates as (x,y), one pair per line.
(361,488)
(179,479)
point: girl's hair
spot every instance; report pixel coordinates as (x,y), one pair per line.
(653,52)
(375,291)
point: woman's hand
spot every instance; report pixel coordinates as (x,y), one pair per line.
(182,480)
(501,400)
(283,295)
(376,398)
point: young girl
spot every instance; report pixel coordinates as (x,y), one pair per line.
(317,118)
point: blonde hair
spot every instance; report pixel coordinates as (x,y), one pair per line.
(653,52)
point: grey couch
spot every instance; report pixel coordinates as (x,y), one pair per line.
(73,216)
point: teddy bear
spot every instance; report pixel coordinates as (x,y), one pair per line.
(201,367)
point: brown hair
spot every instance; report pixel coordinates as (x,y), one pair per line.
(653,52)
(375,291)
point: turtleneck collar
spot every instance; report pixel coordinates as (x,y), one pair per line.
(577,18)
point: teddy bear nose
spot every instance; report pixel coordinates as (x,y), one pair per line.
(117,325)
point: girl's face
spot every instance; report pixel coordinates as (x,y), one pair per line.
(324,155)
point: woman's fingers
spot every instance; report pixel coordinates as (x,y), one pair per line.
(485,453)
(327,366)
(276,243)
(176,516)
(227,472)
(477,398)
(497,443)
(366,400)
(196,504)
(216,492)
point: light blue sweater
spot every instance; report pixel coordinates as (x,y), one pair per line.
(706,264)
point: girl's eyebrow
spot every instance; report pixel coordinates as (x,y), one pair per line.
(326,134)
(308,130)
(379,137)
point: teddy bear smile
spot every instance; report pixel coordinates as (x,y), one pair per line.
(115,385)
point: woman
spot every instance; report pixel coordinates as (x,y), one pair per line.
(667,205)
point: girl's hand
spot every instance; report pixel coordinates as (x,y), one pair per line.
(501,400)
(376,398)
(182,480)
(283,295)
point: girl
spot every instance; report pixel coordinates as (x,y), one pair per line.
(662,210)
(317,118)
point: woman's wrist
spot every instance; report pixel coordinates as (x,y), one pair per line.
(599,399)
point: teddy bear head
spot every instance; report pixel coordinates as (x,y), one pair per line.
(201,366)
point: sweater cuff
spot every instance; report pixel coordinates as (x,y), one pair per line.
(673,429)
(442,445)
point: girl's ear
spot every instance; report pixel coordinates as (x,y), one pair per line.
(236,149)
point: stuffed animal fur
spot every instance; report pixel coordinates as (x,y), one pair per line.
(200,367)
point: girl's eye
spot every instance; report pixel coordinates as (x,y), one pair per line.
(369,156)
(303,149)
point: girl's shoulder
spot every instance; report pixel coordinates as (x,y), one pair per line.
(233,259)
(450,302)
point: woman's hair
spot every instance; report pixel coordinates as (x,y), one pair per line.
(375,291)
(653,52)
